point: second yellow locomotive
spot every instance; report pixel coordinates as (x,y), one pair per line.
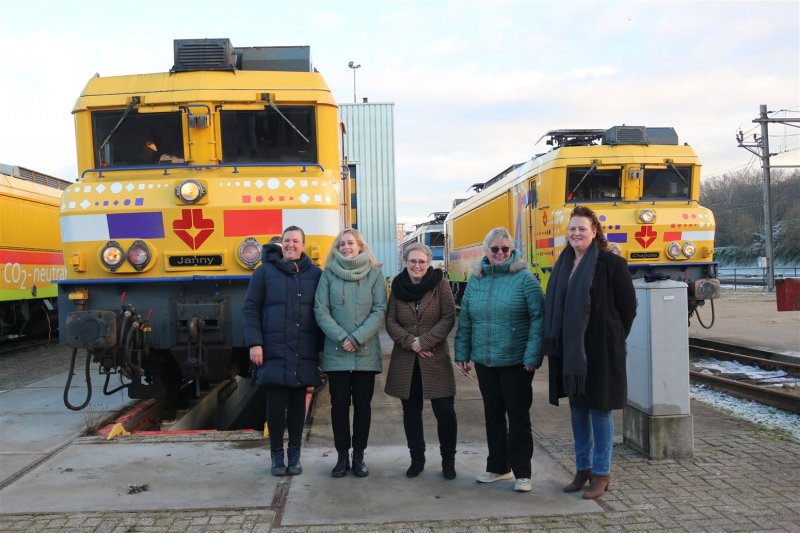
(184,174)
(643,185)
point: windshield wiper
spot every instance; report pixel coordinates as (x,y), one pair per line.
(591,169)
(135,100)
(289,122)
(672,166)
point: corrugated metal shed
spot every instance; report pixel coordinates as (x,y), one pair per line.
(369,145)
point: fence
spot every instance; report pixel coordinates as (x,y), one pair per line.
(752,276)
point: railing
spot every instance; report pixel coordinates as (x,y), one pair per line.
(752,276)
(166,168)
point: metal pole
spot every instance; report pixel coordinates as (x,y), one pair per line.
(767,193)
(353,66)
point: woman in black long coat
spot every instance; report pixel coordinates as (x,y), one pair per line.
(284,340)
(589,309)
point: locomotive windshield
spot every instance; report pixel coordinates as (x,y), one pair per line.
(593,184)
(136,139)
(266,136)
(666,183)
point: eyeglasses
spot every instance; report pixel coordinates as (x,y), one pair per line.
(496,249)
(420,262)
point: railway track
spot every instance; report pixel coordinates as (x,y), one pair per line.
(12,346)
(779,387)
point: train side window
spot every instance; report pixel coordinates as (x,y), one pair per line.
(592,184)
(266,136)
(667,183)
(127,139)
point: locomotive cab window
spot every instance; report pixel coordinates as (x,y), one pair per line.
(593,184)
(667,183)
(269,136)
(136,139)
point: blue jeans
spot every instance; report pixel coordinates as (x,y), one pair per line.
(593,431)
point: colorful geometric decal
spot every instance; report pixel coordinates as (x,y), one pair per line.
(193,219)
(646,236)
(135,226)
(84,228)
(242,223)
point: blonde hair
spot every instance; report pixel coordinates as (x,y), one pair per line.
(365,249)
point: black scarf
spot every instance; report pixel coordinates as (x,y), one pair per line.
(566,316)
(407,291)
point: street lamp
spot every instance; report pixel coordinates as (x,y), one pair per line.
(353,66)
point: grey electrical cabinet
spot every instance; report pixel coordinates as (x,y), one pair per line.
(657,419)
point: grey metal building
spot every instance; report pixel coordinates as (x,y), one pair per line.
(369,148)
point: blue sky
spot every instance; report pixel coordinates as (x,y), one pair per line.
(475,84)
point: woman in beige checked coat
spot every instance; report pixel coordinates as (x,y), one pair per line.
(419,317)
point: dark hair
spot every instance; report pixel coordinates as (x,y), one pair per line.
(599,239)
(294,228)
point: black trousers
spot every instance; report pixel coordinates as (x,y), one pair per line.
(286,408)
(346,387)
(507,393)
(445,413)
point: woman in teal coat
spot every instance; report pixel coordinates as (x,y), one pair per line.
(350,306)
(500,329)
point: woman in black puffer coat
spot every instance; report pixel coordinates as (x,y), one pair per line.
(284,340)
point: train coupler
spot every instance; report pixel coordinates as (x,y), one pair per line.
(704,289)
(91,329)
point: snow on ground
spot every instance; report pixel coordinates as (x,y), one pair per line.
(769,417)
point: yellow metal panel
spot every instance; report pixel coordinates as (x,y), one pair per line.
(471,228)
(30,242)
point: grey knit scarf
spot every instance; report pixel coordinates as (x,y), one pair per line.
(567,309)
(350,269)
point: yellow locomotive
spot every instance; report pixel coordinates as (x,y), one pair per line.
(643,185)
(30,251)
(183,175)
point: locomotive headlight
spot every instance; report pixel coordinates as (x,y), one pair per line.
(674,250)
(647,216)
(139,255)
(112,255)
(250,252)
(689,249)
(615,248)
(190,191)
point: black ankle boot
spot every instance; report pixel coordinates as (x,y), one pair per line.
(416,468)
(359,467)
(342,465)
(278,466)
(449,467)
(293,455)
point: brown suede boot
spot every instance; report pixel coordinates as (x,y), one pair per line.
(581,477)
(597,487)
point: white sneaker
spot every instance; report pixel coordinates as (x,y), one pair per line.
(491,477)
(523,484)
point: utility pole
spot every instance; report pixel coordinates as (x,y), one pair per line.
(760,147)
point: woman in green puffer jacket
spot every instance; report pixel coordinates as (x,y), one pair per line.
(350,306)
(500,329)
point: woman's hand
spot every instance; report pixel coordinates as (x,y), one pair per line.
(348,346)
(463,366)
(427,354)
(415,345)
(257,355)
(529,368)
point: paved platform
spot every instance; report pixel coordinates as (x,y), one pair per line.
(741,478)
